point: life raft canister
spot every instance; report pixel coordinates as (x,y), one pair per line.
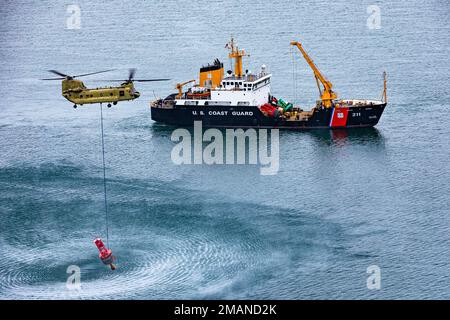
(105,254)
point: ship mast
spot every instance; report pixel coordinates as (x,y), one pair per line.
(384,96)
(237,55)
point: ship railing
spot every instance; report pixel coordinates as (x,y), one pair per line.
(248,77)
(359,102)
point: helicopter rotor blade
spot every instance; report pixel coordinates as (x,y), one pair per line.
(53,79)
(59,73)
(138,80)
(110,80)
(131,73)
(150,80)
(88,74)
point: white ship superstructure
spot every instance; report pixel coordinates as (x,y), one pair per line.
(236,88)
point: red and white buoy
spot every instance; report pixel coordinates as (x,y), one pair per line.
(105,254)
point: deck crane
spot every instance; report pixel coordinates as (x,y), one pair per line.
(180,86)
(327,94)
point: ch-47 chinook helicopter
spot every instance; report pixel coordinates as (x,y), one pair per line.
(76,92)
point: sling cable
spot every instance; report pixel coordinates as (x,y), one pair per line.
(105,253)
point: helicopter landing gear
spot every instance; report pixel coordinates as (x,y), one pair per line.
(109,105)
(115,102)
(75,106)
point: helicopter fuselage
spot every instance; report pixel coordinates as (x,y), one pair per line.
(76,92)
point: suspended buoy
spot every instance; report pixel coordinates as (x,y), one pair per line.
(105,253)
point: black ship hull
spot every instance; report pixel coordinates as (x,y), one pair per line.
(251,117)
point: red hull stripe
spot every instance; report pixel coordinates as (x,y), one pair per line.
(339,117)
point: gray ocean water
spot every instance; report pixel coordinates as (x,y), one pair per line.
(342,201)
